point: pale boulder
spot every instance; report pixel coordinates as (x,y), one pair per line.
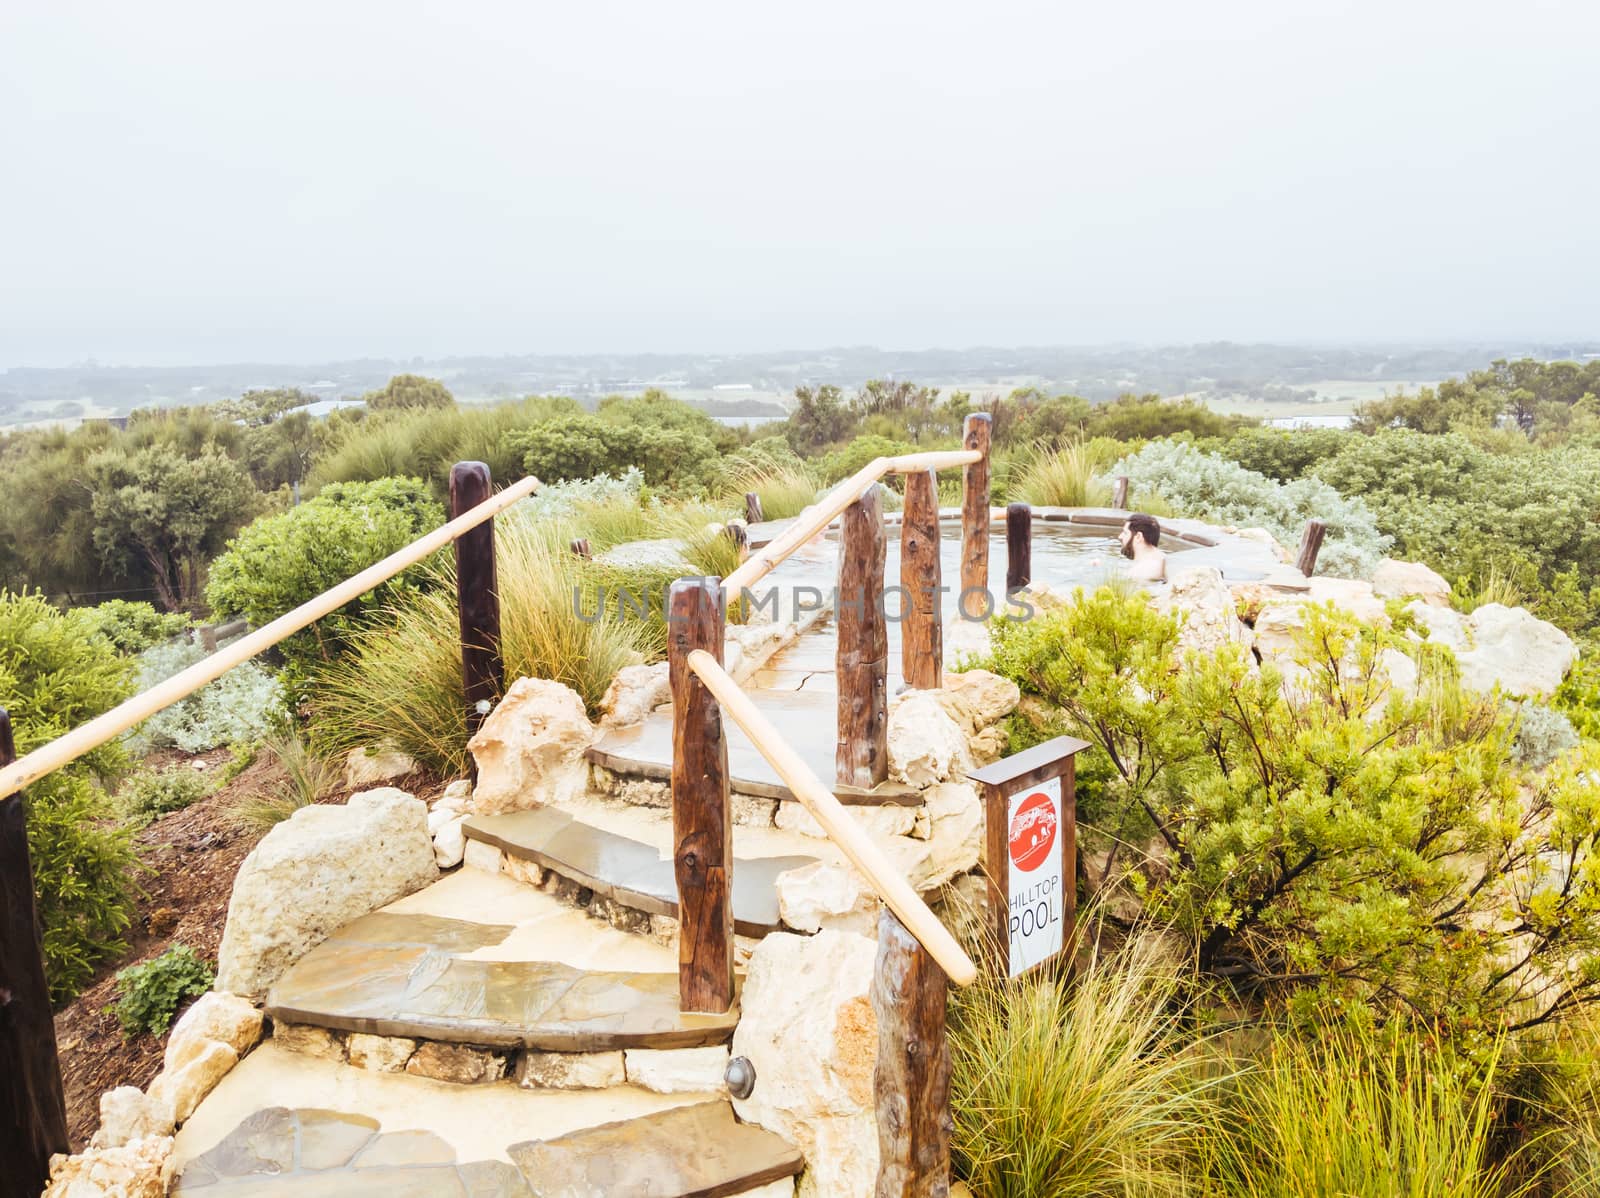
(381,1054)
(314,873)
(128,1114)
(634,693)
(450,842)
(1410,580)
(965,640)
(1280,619)
(678,1070)
(215,1015)
(925,745)
(178,1090)
(826,894)
(375,765)
(1443,625)
(530,751)
(887,820)
(1516,651)
(979,697)
(809,1030)
(1205,607)
(956,814)
(139,1169)
(570,1070)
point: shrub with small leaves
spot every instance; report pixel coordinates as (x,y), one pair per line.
(134,627)
(1543,735)
(149,994)
(241,706)
(150,793)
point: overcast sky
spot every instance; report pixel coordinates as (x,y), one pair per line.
(208,182)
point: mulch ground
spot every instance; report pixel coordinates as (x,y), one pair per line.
(193,856)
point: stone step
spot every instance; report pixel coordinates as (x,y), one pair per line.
(285,1125)
(630,872)
(809,720)
(541,976)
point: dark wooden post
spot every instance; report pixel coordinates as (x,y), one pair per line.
(1031,789)
(739,534)
(912,1078)
(862,662)
(477,596)
(975,602)
(1310,546)
(580,548)
(752,508)
(922,633)
(1019,546)
(702,818)
(1119,493)
(33,1106)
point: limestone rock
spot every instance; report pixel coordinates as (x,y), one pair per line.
(139,1169)
(127,1114)
(1410,580)
(458,792)
(826,894)
(308,1040)
(1401,671)
(376,765)
(1207,610)
(570,1070)
(956,843)
(450,843)
(925,744)
(1513,649)
(215,1015)
(1443,625)
(456,1063)
(983,697)
(480,854)
(1351,595)
(177,1091)
(988,746)
(965,640)
(1281,618)
(810,1032)
(382,1054)
(886,820)
(634,693)
(530,749)
(678,1070)
(314,873)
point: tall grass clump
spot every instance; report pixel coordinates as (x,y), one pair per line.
(402,680)
(1060,476)
(306,776)
(1081,1089)
(1361,1112)
(785,490)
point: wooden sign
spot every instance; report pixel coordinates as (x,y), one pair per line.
(1031,858)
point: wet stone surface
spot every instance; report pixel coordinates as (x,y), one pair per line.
(314,1153)
(627,871)
(391,974)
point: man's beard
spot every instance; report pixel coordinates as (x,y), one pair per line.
(1127,550)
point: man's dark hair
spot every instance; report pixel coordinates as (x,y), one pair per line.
(1146,526)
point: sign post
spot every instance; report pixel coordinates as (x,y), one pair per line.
(1031,858)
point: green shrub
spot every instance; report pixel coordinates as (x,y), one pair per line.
(149,994)
(150,793)
(133,627)
(785,490)
(1543,735)
(839,465)
(1284,454)
(282,561)
(587,445)
(240,707)
(1075,1090)
(307,776)
(1061,477)
(1207,487)
(55,674)
(408,392)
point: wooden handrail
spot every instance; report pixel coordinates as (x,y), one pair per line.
(180,686)
(821,514)
(862,851)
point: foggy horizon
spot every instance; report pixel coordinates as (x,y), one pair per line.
(192,186)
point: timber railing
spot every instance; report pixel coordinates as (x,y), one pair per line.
(917,955)
(32,1106)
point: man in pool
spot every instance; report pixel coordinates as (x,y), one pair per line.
(1141,540)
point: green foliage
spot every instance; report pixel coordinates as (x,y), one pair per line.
(672,443)
(150,793)
(149,994)
(1075,1090)
(1362,1114)
(1578,697)
(784,490)
(173,510)
(306,776)
(282,561)
(820,417)
(134,627)
(1143,417)
(839,465)
(1550,402)
(237,708)
(1284,454)
(1321,841)
(1062,477)
(1207,487)
(1543,735)
(409,392)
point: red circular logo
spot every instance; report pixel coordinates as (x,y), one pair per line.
(1033,831)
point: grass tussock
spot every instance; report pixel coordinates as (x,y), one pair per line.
(785,490)
(1060,476)
(306,776)
(1077,1090)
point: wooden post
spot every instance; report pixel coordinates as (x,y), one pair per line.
(1019,546)
(739,534)
(702,817)
(1310,546)
(911,1082)
(752,508)
(580,548)
(33,1107)
(974,600)
(1041,918)
(477,597)
(862,663)
(1119,493)
(922,633)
